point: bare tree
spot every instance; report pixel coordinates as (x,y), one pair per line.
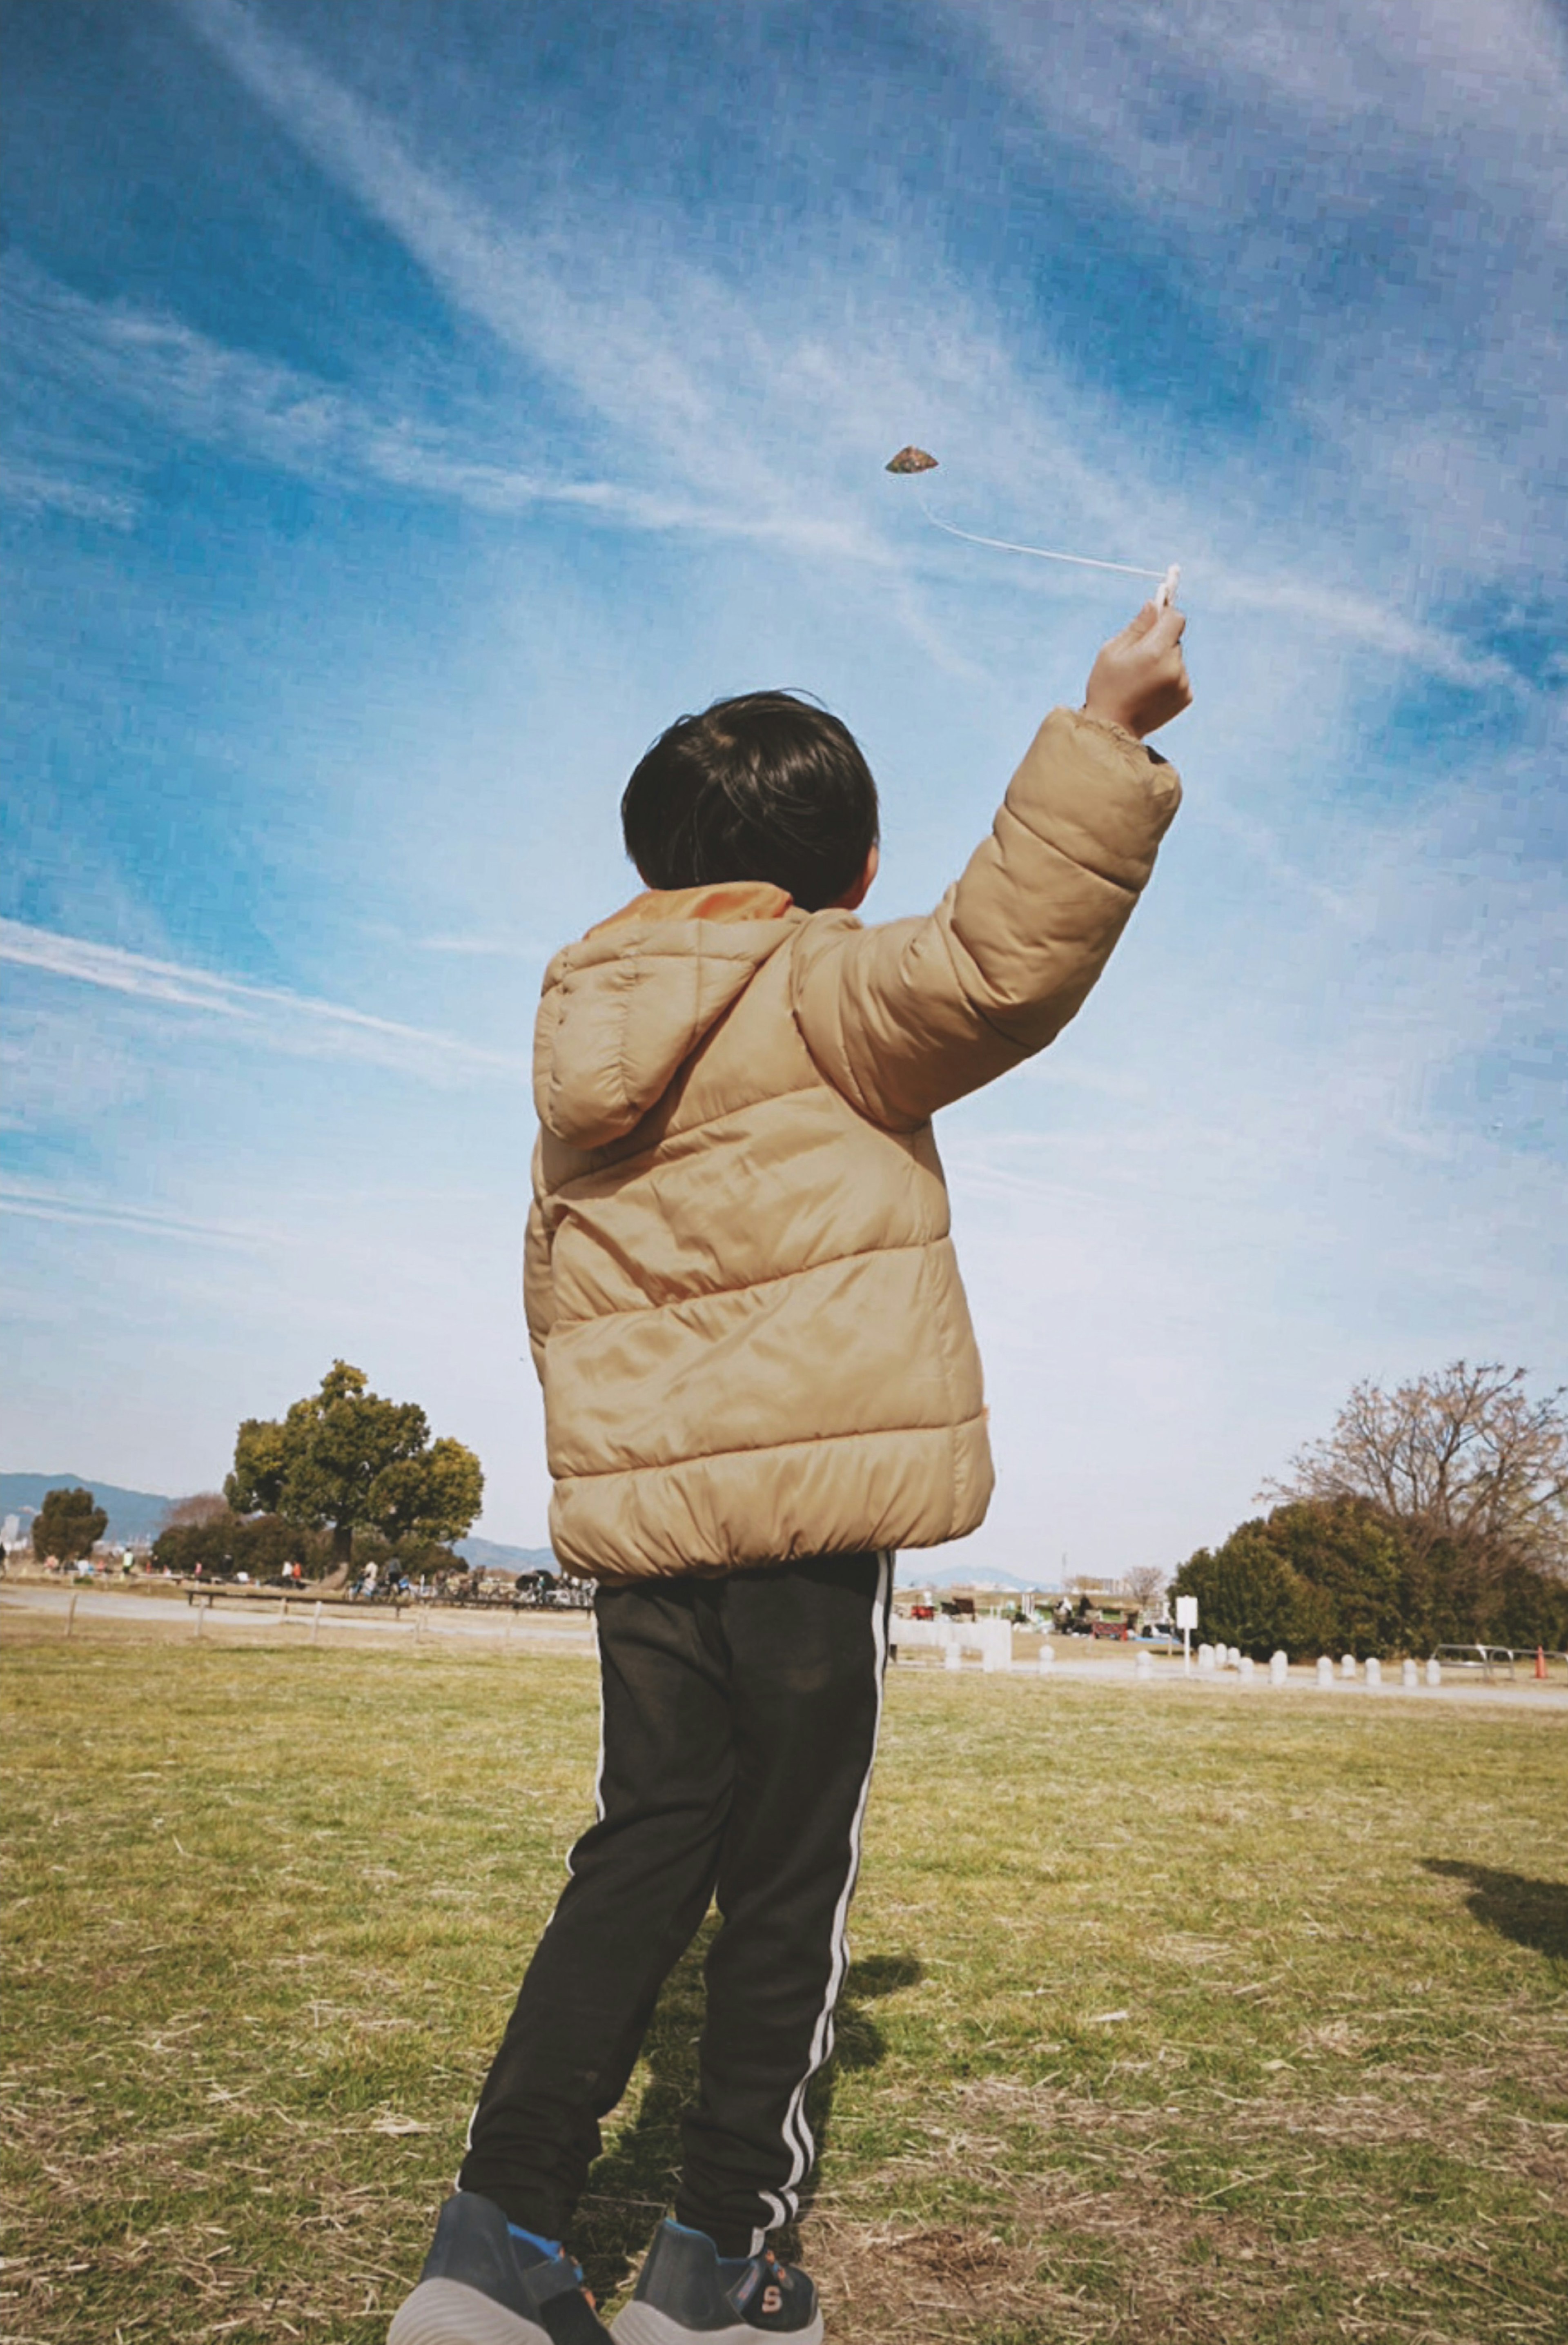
(1145,1586)
(202,1507)
(1465,1457)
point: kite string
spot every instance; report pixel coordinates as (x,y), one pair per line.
(1043,554)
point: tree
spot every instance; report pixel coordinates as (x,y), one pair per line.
(1462,1461)
(225,1543)
(202,1507)
(1248,1596)
(346,1459)
(68,1524)
(432,1499)
(1356,1571)
(1144,1586)
(1340,1576)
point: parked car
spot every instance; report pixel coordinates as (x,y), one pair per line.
(1160,1637)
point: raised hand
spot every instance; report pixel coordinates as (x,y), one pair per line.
(1139,680)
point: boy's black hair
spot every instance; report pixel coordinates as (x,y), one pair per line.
(762,786)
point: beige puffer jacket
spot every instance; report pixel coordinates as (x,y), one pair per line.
(741,1292)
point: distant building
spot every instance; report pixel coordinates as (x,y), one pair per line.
(1084,1602)
(985,1596)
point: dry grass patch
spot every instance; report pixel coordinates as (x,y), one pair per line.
(1202,2018)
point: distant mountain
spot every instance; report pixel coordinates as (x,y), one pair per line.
(493,1555)
(133,1514)
(961,1575)
(139,1515)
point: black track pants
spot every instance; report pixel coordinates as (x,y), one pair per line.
(740,1721)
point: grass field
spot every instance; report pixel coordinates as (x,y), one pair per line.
(1174,2013)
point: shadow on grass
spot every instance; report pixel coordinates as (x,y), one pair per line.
(632,2186)
(1533,1913)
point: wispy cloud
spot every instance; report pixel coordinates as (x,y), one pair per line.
(36,490)
(479,948)
(31,1201)
(756,417)
(116,355)
(1377,187)
(260,409)
(269,1015)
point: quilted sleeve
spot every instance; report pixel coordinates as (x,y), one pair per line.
(905,1018)
(538,1288)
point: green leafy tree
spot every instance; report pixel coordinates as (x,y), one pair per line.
(1458,1599)
(1358,1572)
(345,1459)
(225,1543)
(68,1524)
(431,1499)
(1248,1596)
(1340,1576)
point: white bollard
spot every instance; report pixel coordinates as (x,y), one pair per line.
(1233,1658)
(1374,1673)
(1324,1671)
(1144,1666)
(1047,1662)
(1278,1669)
(315,1622)
(1409,1676)
(1205,1660)
(1244,1669)
(200,1613)
(1434,1671)
(995,1646)
(1347,1665)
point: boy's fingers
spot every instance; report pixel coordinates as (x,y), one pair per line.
(1152,630)
(1170,626)
(1136,628)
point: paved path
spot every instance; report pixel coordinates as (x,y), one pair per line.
(563,1633)
(574,1633)
(1088,1667)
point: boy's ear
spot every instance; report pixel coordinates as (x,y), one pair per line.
(854,897)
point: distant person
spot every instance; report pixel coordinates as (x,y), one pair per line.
(759,1381)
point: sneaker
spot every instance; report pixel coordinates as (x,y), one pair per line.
(484,2282)
(688,2289)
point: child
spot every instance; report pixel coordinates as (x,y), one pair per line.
(759,1381)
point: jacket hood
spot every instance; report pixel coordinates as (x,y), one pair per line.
(624,1009)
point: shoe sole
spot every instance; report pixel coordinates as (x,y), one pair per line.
(644,2324)
(450,2312)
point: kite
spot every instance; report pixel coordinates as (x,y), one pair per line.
(916,460)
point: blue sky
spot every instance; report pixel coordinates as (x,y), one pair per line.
(410,409)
